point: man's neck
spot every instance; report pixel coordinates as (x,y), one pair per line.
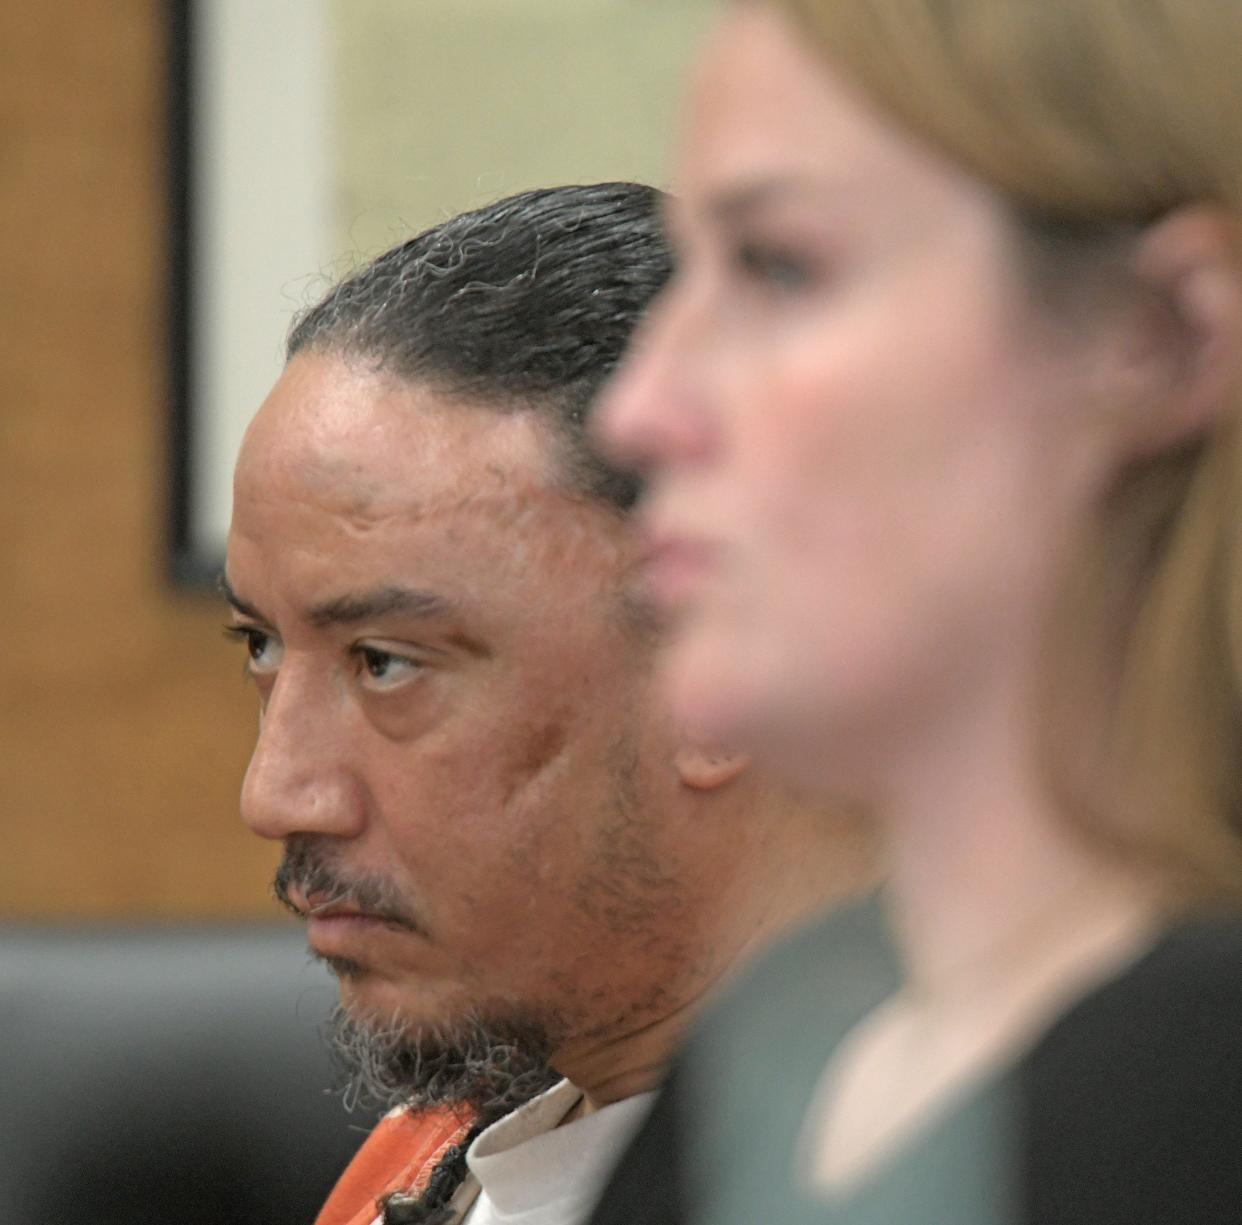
(634,1062)
(786,868)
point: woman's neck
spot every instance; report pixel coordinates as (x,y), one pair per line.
(979,853)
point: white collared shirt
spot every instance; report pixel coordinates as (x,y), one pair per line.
(533,1171)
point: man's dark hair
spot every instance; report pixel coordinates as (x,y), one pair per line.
(527,303)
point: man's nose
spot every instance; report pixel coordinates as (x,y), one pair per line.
(301,779)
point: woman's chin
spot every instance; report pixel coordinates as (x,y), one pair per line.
(724,690)
(713,698)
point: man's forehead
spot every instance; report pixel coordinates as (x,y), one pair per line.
(370,441)
(350,482)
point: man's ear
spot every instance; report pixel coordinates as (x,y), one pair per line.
(704,769)
(1182,354)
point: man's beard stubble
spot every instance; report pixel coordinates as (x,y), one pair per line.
(487,1067)
(489,1062)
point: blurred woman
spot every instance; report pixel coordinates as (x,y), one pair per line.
(942,417)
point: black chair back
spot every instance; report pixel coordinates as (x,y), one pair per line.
(171,1074)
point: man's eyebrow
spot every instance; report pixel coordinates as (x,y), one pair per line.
(355,606)
(242,606)
(352,607)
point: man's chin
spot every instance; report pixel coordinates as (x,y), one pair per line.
(378,1004)
(485,1063)
(344,968)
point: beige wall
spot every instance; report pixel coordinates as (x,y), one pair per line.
(124,724)
(447,104)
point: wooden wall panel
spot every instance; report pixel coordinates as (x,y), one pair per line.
(124,722)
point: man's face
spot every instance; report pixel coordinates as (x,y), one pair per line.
(457,741)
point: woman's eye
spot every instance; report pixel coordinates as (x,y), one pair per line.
(385,669)
(774,268)
(263,651)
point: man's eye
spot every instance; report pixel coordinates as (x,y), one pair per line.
(262,649)
(384,668)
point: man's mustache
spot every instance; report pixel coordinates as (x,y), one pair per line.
(308,871)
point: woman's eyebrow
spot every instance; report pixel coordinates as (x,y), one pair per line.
(730,204)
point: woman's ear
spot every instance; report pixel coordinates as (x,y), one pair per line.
(1183,350)
(703,769)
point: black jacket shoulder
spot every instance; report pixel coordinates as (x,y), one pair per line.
(1132,1103)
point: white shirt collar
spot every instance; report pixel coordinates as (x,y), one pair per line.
(534,1171)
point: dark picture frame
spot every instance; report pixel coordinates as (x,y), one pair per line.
(186,565)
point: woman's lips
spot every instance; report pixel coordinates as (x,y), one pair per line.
(676,567)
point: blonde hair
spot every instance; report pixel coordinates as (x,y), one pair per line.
(1092,115)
